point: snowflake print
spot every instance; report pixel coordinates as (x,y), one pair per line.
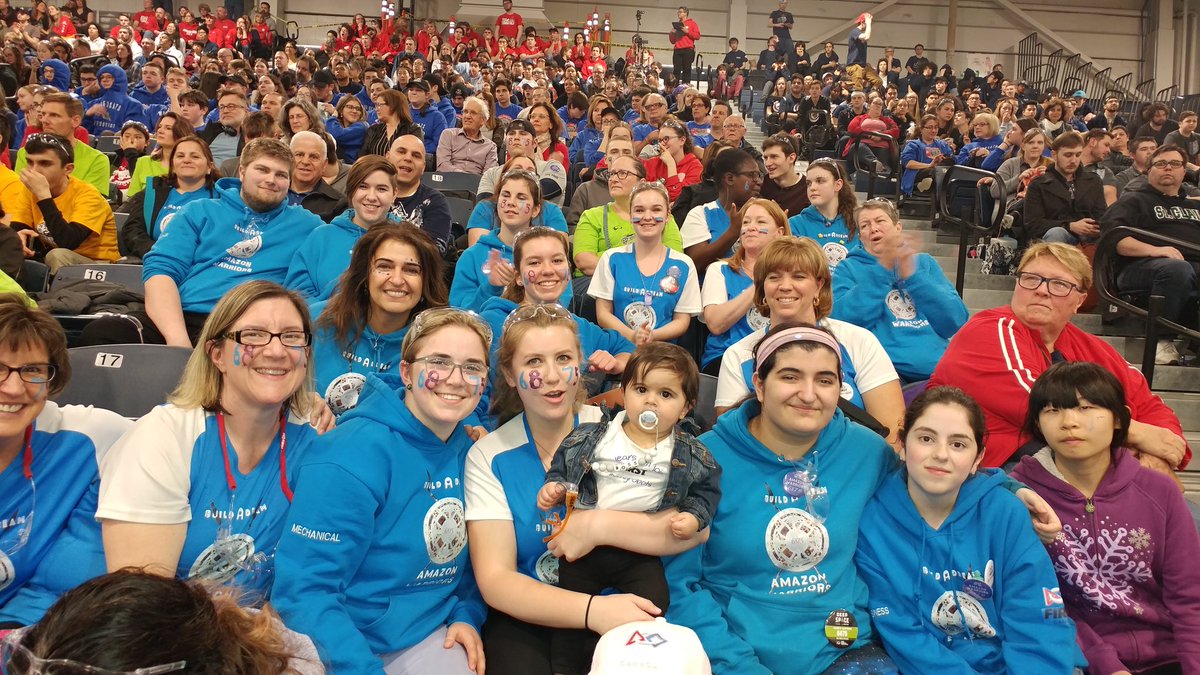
(1140,538)
(1101,568)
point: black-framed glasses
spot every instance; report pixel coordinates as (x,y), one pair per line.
(31,373)
(257,337)
(18,659)
(622,174)
(755,174)
(1059,288)
(1167,164)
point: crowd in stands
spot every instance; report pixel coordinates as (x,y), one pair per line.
(419,433)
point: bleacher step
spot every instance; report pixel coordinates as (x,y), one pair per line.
(1186,405)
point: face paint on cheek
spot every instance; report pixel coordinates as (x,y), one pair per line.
(431,380)
(535,379)
(237,355)
(571,373)
(476,385)
(531,275)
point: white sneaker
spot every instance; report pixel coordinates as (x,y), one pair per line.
(1166,354)
(924,184)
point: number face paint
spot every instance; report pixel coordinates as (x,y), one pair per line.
(237,355)
(531,275)
(535,379)
(571,373)
(431,379)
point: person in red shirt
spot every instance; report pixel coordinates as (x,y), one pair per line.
(263,29)
(676,163)
(685,46)
(429,30)
(60,22)
(345,38)
(595,60)
(998,355)
(145,19)
(224,22)
(530,50)
(187,25)
(509,24)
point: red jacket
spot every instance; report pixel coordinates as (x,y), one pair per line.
(687,172)
(996,360)
(855,128)
(144,21)
(691,33)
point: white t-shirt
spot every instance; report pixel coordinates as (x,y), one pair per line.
(868,364)
(695,225)
(629,477)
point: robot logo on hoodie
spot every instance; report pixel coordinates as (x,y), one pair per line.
(445,530)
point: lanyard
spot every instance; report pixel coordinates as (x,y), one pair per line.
(27,454)
(283,484)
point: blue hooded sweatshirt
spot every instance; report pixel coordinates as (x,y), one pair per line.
(341,373)
(143,96)
(586,146)
(121,106)
(323,257)
(984,565)
(62,75)
(214,245)
(758,593)
(471,287)
(913,318)
(433,122)
(832,236)
(374,558)
(63,548)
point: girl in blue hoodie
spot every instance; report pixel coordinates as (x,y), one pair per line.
(829,219)
(395,273)
(373,563)
(322,258)
(775,589)
(486,268)
(958,580)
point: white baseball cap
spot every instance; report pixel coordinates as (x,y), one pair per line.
(650,647)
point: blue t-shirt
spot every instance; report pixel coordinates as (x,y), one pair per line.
(721,275)
(640,300)
(701,134)
(506,114)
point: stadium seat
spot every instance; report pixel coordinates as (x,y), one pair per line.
(460,214)
(129,276)
(706,413)
(33,276)
(130,380)
(453,183)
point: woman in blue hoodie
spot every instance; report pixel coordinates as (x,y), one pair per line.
(958,580)
(395,274)
(775,589)
(486,268)
(889,287)
(373,565)
(319,263)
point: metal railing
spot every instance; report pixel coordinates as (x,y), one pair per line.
(1069,72)
(981,223)
(1105,279)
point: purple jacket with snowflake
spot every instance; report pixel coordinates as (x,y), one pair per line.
(1128,571)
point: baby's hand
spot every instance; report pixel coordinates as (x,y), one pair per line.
(684,525)
(550,495)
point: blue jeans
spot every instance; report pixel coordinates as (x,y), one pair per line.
(1062,235)
(1173,279)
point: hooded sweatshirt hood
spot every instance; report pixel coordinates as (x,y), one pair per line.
(120,106)
(62,75)
(832,236)
(324,256)
(471,287)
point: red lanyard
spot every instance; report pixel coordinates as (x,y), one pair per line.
(27,454)
(283,484)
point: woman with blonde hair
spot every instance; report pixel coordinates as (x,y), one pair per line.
(728,290)
(200,487)
(517,574)
(373,565)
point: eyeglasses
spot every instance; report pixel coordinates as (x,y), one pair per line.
(33,373)
(256,337)
(756,175)
(229,107)
(551,310)
(443,367)
(654,106)
(16,659)
(1167,164)
(622,174)
(1059,288)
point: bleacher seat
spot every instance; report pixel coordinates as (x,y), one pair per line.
(33,276)
(129,276)
(109,145)
(453,183)
(130,380)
